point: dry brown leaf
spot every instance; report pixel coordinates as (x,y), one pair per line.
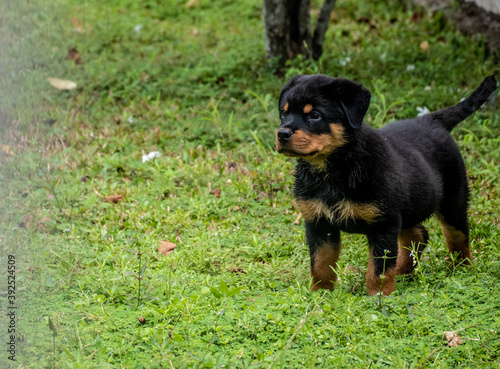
(62,84)
(424,45)
(74,55)
(6,149)
(78,26)
(28,219)
(350,267)
(166,247)
(114,199)
(191,4)
(141,320)
(237,271)
(453,339)
(298,218)
(41,224)
(245,171)
(416,17)
(216,192)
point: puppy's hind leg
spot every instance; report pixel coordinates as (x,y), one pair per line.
(456,232)
(412,243)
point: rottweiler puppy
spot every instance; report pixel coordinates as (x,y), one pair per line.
(382,183)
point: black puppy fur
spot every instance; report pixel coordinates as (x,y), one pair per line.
(382,183)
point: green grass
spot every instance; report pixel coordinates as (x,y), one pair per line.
(192,82)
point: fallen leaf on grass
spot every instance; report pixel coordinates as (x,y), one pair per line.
(141,320)
(166,247)
(114,199)
(298,219)
(424,45)
(78,26)
(6,149)
(62,84)
(191,4)
(245,171)
(350,267)
(28,219)
(237,271)
(74,55)
(453,339)
(416,17)
(41,225)
(216,192)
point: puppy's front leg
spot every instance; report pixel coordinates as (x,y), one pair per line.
(381,274)
(324,248)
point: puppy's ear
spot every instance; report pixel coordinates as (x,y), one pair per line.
(354,100)
(295,80)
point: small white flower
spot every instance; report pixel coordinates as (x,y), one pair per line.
(138,28)
(422,111)
(91,134)
(410,67)
(427,88)
(343,62)
(383,56)
(131,119)
(150,156)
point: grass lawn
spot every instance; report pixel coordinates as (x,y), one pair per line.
(83,213)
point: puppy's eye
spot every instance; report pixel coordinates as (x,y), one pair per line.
(314,115)
(282,113)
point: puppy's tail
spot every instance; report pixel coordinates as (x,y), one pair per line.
(449,117)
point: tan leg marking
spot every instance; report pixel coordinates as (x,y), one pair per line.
(375,284)
(323,275)
(456,240)
(408,240)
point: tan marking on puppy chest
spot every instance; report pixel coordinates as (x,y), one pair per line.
(342,211)
(323,275)
(285,108)
(308,108)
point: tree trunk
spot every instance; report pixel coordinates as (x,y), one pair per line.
(321,27)
(288,30)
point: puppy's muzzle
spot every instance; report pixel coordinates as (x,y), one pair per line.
(284,135)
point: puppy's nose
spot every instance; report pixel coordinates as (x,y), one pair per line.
(284,134)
